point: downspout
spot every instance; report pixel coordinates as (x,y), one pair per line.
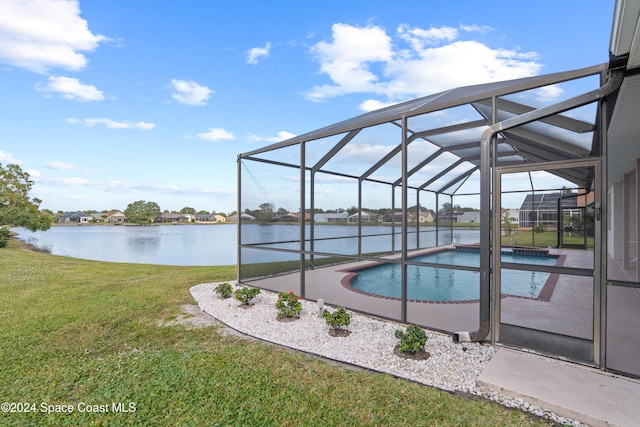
(613,83)
(485,234)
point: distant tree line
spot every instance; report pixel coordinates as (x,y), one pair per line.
(267,212)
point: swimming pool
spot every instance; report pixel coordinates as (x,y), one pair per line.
(444,284)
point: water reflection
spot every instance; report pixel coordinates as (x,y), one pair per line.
(192,244)
(145,244)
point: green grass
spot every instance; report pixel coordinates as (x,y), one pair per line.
(543,239)
(78,332)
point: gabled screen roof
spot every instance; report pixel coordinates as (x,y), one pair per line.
(555,137)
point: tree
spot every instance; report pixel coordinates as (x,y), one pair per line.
(16,208)
(142,212)
(266,212)
(506,223)
(187,210)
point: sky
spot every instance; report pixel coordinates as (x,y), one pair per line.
(105,103)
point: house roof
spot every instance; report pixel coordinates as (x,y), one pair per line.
(363,213)
(76,214)
(332,215)
(547,202)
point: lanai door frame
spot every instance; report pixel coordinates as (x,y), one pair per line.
(599,291)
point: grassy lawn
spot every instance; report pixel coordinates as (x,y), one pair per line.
(543,239)
(85,334)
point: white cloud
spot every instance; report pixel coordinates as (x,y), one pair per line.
(418,38)
(115,186)
(474,28)
(215,134)
(61,166)
(257,52)
(347,59)
(71,181)
(189,92)
(112,124)
(374,104)
(34,174)
(7,158)
(281,136)
(43,34)
(417,62)
(365,153)
(70,88)
(549,93)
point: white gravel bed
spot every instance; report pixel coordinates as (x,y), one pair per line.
(452,367)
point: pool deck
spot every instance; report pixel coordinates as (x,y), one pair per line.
(579,392)
(568,312)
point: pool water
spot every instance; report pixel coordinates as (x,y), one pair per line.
(444,284)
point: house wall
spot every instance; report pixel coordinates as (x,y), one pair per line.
(623,227)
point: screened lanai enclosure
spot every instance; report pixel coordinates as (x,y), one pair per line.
(361,214)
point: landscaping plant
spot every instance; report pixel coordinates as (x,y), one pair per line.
(339,319)
(5,235)
(411,341)
(288,305)
(224,290)
(245,295)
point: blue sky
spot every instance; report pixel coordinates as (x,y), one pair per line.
(108,102)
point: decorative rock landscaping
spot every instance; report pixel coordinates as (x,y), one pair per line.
(450,366)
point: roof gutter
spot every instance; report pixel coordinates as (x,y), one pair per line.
(612,84)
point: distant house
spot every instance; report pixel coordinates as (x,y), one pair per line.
(393,217)
(174,218)
(288,217)
(473,216)
(205,217)
(514,216)
(74,217)
(330,217)
(97,217)
(364,217)
(449,216)
(425,215)
(542,209)
(244,217)
(292,217)
(115,217)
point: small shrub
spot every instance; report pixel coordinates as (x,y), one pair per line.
(224,290)
(339,319)
(5,235)
(539,228)
(411,341)
(288,305)
(245,295)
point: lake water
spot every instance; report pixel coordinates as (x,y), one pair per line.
(208,244)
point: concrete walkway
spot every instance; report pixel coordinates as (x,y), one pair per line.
(588,395)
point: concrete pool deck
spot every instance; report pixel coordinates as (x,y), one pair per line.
(580,392)
(568,312)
